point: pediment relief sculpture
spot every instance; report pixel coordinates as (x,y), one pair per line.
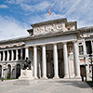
(48,28)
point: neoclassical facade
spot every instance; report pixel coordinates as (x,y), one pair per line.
(57,49)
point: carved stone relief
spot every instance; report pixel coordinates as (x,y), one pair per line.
(55,27)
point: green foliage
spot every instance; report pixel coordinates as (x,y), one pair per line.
(90,83)
(8,75)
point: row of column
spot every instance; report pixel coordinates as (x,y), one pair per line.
(12,71)
(12,55)
(55,56)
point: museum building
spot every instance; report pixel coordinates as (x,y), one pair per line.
(56,48)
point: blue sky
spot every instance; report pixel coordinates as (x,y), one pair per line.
(16,16)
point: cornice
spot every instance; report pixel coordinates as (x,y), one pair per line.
(24,39)
(49,22)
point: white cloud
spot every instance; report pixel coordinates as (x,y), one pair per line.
(17,1)
(72,8)
(3,6)
(10,1)
(37,11)
(37,7)
(11,28)
(81,12)
(44,17)
(26,7)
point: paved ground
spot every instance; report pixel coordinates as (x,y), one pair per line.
(47,86)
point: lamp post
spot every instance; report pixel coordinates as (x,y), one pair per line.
(90,55)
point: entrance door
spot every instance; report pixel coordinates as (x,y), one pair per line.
(18,70)
(82,70)
(60,69)
(9,71)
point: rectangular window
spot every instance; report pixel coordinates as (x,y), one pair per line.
(88,46)
(81,50)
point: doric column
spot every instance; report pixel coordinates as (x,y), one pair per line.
(55,55)
(15,74)
(27,52)
(7,55)
(44,61)
(3,55)
(76,59)
(12,55)
(35,62)
(2,71)
(16,54)
(65,54)
(84,48)
(11,71)
(0,56)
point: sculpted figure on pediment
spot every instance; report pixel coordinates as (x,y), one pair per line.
(59,26)
(39,30)
(49,28)
(55,27)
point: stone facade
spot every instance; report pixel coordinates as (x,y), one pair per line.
(56,48)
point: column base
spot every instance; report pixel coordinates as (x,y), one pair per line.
(56,77)
(35,77)
(66,77)
(78,77)
(44,78)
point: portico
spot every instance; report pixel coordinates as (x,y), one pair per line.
(54,61)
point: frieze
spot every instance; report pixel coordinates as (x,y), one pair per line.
(55,27)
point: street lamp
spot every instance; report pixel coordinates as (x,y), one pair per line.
(90,55)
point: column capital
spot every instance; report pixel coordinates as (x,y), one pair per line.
(54,43)
(34,46)
(64,42)
(26,46)
(74,41)
(43,45)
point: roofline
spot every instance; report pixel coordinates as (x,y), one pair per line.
(48,22)
(15,40)
(85,28)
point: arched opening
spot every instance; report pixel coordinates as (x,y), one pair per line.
(9,72)
(18,70)
(0,71)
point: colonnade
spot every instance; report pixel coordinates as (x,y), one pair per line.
(11,55)
(15,53)
(55,59)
